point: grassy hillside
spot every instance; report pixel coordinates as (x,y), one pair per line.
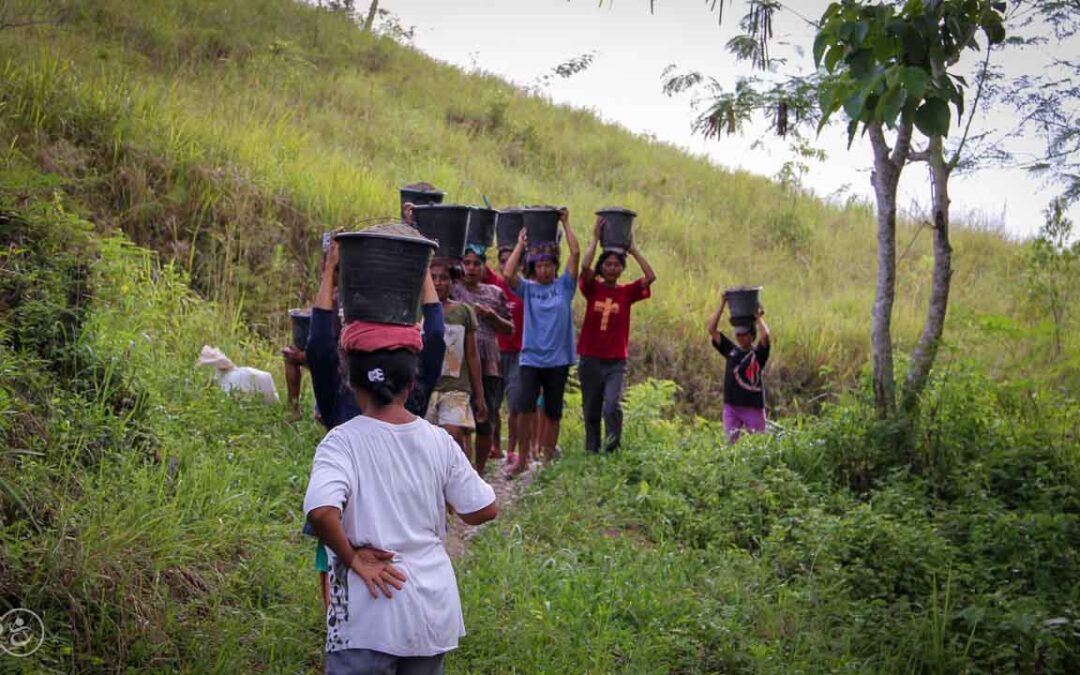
(165,171)
(228,135)
(153,521)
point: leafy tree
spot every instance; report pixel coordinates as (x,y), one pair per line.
(889,68)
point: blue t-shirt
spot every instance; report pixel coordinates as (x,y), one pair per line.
(548,340)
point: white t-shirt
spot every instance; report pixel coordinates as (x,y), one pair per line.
(392,483)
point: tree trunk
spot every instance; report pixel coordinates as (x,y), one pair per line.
(885,179)
(922,359)
(369,22)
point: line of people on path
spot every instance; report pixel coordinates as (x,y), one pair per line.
(402,406)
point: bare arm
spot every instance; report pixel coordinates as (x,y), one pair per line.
(762,329)
(500,324)
(587,272)
(572,243)
(513,263)
(476,374)
(480,517)
(370,564)
(646,268)
(714,322)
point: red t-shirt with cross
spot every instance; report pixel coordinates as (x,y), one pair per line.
(605,333)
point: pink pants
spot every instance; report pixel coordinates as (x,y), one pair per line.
(737,417)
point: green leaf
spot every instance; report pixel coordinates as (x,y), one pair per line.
(861,63)
(852,127)
(821,43)
(854,104)
(914,80)
(890,104)
(933,117)
(859,32)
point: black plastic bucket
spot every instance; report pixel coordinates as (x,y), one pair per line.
(616,233)
(300,321)
(481,226)
(744,303)
(418,194)
(508,225)
(541,224)
(447,224)
(381,274)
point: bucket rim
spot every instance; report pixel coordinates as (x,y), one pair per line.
(406,188)
(484,209)
(447,207)
(300,313)
(540,209)
(364,234)
(616,209)
(742,289)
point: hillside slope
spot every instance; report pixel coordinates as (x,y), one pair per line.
(229,135)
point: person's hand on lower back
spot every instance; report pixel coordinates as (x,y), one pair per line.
(373,566)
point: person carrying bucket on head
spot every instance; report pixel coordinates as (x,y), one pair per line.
(605,337)
(383,481)
(335,401)
(461,384)
(548,340)
(744,388)
(493,318)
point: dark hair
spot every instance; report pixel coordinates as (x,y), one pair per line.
(383,374)
(453,267)
(621,257)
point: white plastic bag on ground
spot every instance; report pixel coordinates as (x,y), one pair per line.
(231,377)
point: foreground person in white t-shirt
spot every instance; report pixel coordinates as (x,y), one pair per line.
(382,481)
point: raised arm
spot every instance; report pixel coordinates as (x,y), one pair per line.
(513,263)
(572,242)
(714,322)
(646,268)
(762,329)
(587,271)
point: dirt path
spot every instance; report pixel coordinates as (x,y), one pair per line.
(507,492)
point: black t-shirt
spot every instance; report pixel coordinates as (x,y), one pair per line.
(743,385)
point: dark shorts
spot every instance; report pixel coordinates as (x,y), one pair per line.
(492,387)
(551,382)
(511,380)
(371,662)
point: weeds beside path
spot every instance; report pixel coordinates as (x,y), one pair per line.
(507,492)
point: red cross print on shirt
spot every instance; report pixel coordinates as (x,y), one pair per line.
(608,307)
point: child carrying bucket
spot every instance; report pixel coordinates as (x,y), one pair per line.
(460,389)
(605,336)
(548,341)
(744,388)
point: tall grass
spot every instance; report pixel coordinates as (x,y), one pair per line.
(229,135)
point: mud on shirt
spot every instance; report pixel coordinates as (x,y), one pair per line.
(743,385)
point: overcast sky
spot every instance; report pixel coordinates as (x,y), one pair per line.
(521,40)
